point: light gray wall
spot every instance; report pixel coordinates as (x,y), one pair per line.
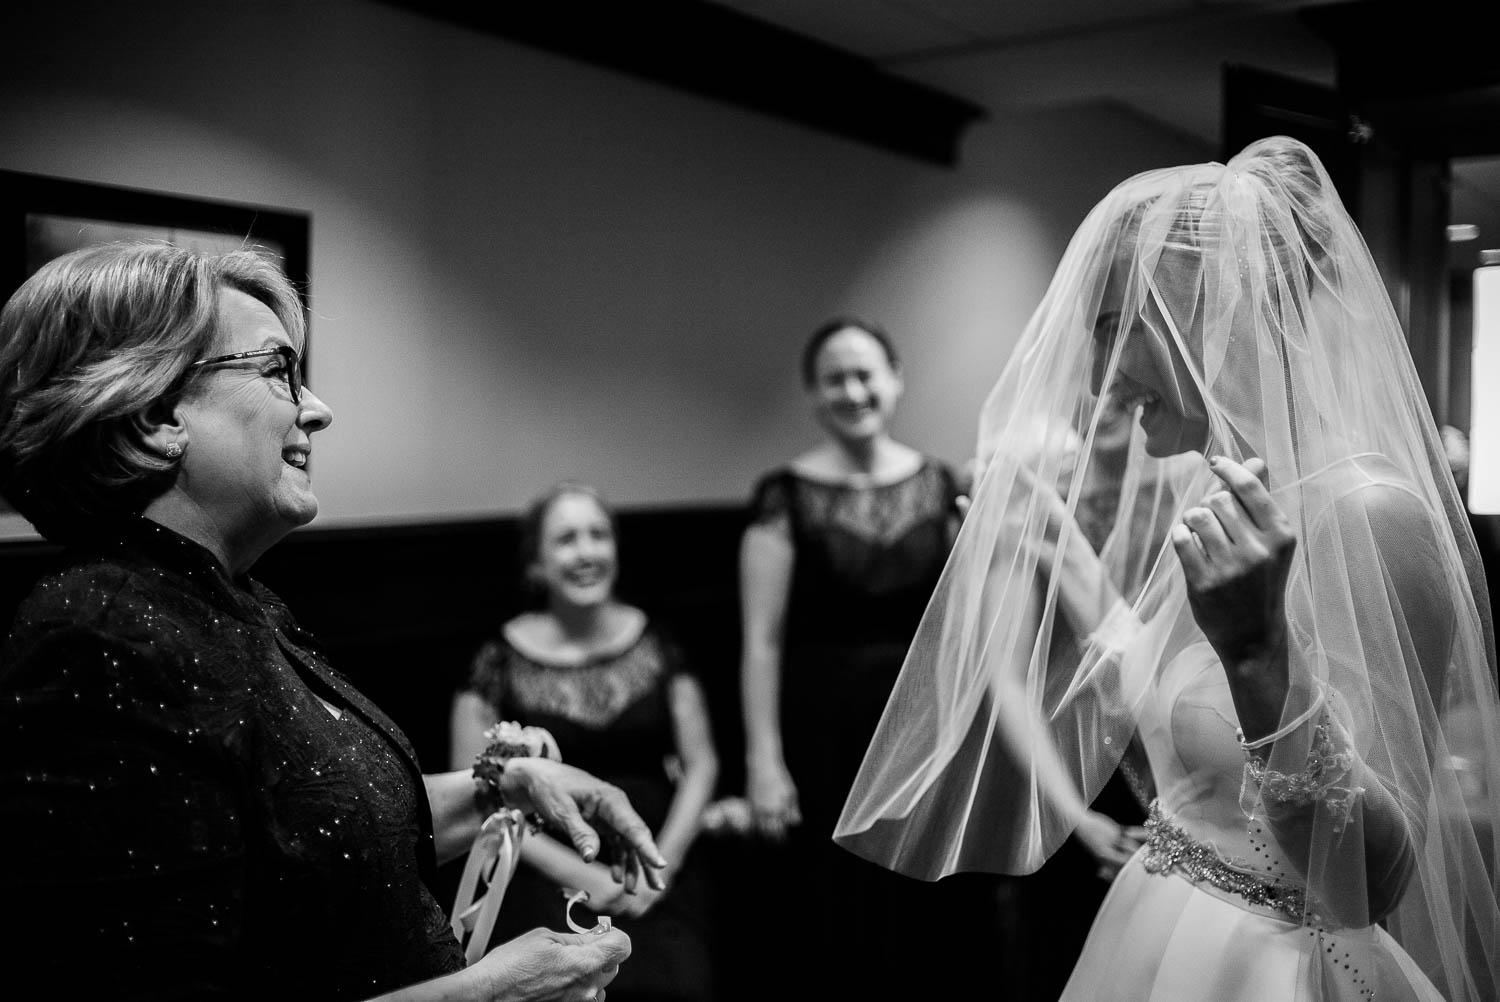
(525,268)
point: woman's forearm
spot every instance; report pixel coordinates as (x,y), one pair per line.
(456,814)
(684,817)
(1086,594)
(563,866)
(766,562)
(1027,737)
(761,693)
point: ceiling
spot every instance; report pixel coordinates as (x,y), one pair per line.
(912,75)
(1161,60)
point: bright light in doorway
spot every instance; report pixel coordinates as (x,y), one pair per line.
(1484,419)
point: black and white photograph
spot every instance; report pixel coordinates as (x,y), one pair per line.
(726,500)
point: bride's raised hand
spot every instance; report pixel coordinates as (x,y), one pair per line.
(1236,550)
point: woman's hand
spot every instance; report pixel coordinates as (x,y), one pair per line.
(1111,843)
(547,966)
(728,816)
(773,798)
(1236,550)
(588,810)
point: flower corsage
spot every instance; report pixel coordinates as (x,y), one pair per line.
(508,740)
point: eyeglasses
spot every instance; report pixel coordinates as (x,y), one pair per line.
(290,372)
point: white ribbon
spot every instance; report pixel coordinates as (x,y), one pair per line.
(492,861)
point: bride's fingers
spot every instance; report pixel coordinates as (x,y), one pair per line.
(1212,539)
(1231,515)
(1189,553)
(1251,493)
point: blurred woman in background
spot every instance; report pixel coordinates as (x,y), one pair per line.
(612,688)
(844,547)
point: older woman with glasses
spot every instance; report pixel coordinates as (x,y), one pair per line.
(195,804)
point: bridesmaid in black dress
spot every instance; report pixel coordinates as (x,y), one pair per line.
(844,546)
(613,690)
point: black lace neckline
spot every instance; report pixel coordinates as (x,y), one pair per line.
(859,485)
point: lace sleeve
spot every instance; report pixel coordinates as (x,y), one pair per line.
(488,673)
(952,491)
(771,501)
(1358,763)
(674,660)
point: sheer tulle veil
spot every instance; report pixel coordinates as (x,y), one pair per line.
(1245,299)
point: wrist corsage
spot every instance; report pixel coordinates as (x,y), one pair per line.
(496,850)
(508,740)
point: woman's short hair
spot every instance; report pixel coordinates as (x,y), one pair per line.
(90,341)
(831,327)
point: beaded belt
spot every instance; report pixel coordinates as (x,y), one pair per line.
(1170,849)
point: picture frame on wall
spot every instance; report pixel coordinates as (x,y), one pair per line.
(43,217)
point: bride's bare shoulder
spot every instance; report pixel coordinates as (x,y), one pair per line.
(1372,493)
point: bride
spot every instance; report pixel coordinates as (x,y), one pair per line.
(1308,664)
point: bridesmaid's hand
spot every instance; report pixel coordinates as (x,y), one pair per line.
(773,799)
(1111,843)
(1236,551)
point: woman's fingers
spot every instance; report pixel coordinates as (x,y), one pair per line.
(1248,485)
(1239,525)
(554,965)
(615,810)
(1208,525)
(772,823)
(773,805)
(1189,553)
(563,812)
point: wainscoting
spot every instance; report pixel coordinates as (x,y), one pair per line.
(401,609)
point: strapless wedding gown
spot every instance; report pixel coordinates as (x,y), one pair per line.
(1209,909)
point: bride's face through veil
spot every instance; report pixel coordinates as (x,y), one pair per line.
(1138,349)
(1114,425)
(1204,286)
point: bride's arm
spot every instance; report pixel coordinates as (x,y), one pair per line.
(1084,590)
(1067,561)
(1304,776)
(1028,739)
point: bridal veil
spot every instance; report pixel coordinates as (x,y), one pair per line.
(1255,299)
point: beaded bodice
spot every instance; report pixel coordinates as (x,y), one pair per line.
(1189,731)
